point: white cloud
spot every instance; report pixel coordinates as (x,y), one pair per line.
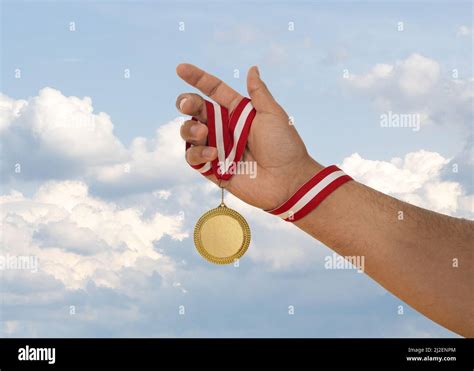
(417,74)
(66,139)
(378,74)
(417,179)
(414,76)
(415,85)
(79,238)
(150,159)
(291,253)
(9,110)
(66,126)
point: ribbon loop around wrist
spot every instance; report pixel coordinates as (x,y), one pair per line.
(311,194)
(227,133)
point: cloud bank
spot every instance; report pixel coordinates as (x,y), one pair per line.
(117,251)
(416,85)
(80,239)
(66,139)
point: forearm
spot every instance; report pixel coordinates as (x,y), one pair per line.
(408,250)
(411,256)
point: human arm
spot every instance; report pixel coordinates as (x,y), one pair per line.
(411,257)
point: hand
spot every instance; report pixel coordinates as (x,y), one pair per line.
(410,258)
(283,164)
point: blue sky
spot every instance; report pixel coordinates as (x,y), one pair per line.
(337,117)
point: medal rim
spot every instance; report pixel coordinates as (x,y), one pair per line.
(222,210)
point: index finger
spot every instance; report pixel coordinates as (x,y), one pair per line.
(210,85)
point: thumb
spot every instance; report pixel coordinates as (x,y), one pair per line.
(261,97)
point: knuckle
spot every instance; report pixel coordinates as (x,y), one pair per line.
(197,102)
(213,89)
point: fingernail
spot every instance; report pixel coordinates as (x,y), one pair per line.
(258,72)
(207,152)
(181,103)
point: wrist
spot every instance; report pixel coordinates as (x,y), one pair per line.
(310,193)
(289,181)
(303,173)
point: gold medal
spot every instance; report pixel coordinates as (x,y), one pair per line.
(222,235)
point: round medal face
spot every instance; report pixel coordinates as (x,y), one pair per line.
(222,235)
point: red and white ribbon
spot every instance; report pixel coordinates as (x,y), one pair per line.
(311,194)
(227,133)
